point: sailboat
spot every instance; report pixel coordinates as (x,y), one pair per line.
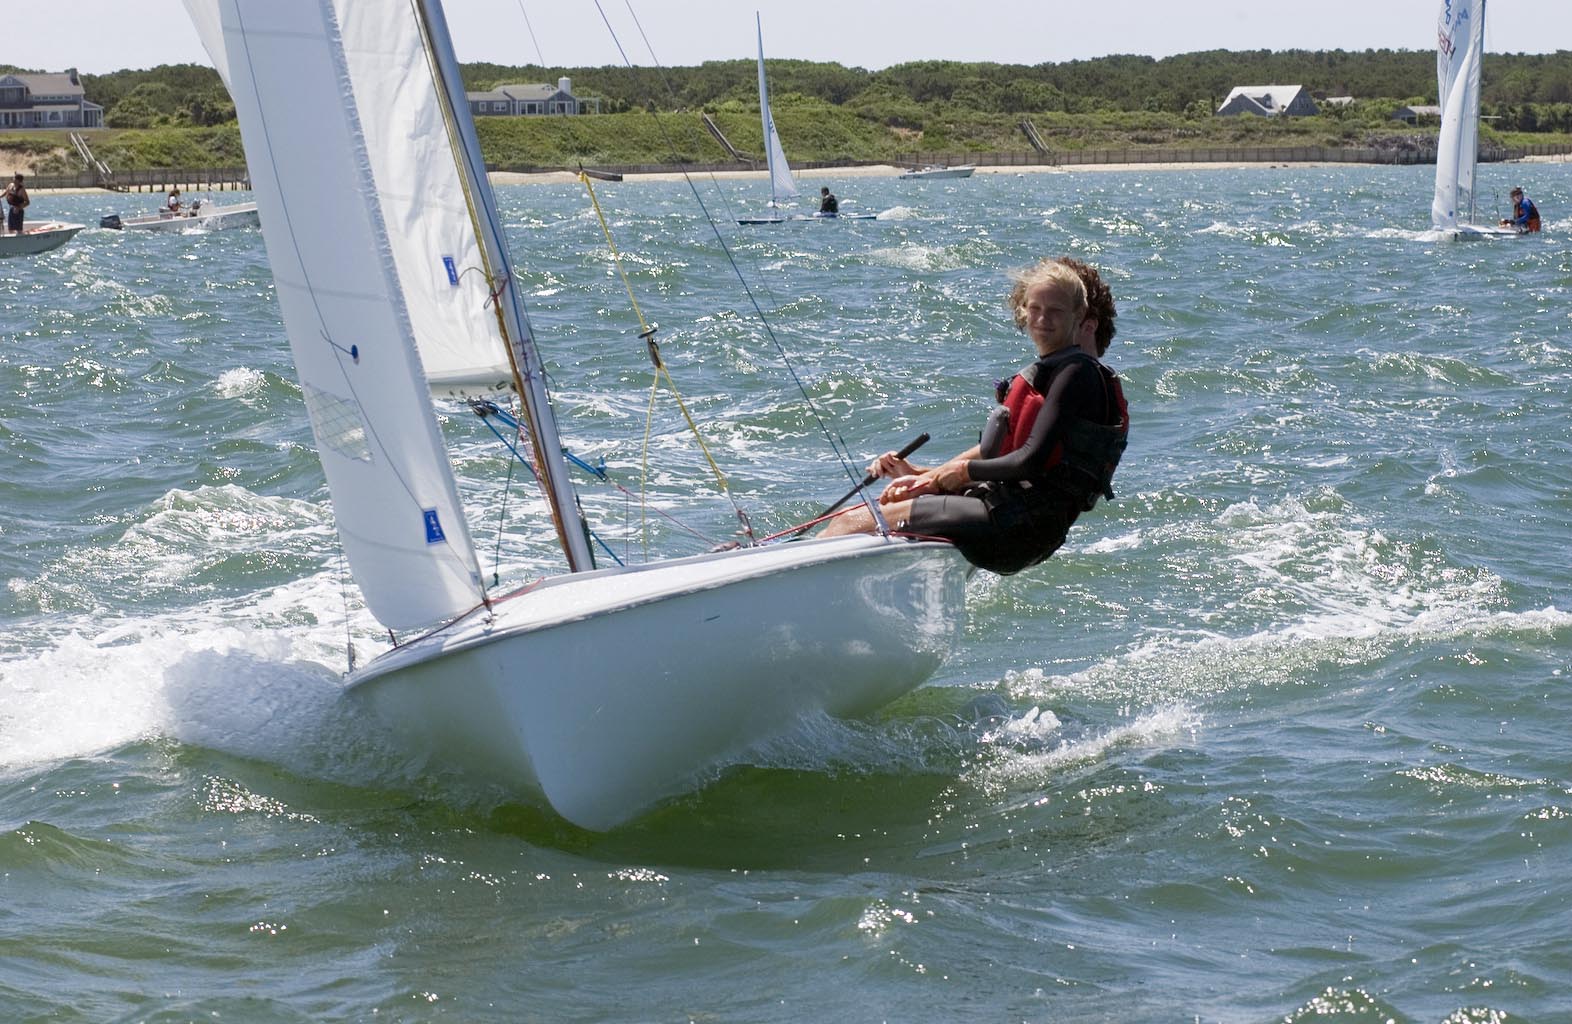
(1460,53)
(601,691)
(783,187)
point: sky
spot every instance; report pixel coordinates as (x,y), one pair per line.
(99,36)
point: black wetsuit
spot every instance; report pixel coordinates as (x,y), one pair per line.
(1020,507)
(829,204)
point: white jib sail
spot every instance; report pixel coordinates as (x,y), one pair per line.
(1460,37)
(423,204)
(782,185)
(345,283)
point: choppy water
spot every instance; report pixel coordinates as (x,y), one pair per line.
(1280,735)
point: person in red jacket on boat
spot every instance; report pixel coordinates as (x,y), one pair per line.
(1525,215)
(1047,456)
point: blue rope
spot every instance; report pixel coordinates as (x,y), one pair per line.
(485,410)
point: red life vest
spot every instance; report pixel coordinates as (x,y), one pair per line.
(1085,460)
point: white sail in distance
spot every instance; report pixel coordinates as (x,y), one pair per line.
(348,277)
(782,185)
(1460,49)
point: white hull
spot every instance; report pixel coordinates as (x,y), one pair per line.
(1474,232)
(36,239)
(206,218)
(603,693)
(940,172)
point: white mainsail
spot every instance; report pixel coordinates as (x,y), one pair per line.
(782,185)
(1460,50)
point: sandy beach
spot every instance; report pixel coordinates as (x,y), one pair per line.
(864,171)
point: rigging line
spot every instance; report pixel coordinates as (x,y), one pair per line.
(598,472)
(837,443)
(485,412)
(532,35)
(502,516)
(648,334)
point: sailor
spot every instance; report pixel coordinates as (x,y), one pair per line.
(827,201)
(17,201)
(173,204)
(1525,215)
(1009,502)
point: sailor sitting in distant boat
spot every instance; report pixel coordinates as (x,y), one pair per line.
(827,201)
(1525,215)
(173,204)
(1008,502)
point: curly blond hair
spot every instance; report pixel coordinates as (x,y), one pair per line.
(1043,272)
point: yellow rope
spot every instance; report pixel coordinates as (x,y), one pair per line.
(648,334)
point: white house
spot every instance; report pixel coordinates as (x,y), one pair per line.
(519,100)
(46,101)
(1269,101)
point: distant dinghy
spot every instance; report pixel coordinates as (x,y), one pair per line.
(1460,52)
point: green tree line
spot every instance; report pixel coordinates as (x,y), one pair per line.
(181,116)
(1524,88)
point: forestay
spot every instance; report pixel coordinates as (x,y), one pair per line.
(348,270)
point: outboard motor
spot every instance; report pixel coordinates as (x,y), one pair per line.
(112,221)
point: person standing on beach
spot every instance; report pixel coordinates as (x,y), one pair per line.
(827,201)
(1010,505)
(16,201)
(1525,215)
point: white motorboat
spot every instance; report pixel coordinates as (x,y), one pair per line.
(941,171)
(196,216)
(598,692)
(37,238)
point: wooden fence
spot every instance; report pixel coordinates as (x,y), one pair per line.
(205,179)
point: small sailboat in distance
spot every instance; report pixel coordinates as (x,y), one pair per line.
(1460,53)
(783,187)
(599,691)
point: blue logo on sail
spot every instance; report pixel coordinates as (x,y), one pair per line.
(434,534)
(452,269)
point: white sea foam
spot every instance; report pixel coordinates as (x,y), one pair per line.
(241,382)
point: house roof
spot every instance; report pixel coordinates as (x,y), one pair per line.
(519,93)
(1269,99)
(528,92)
(49,84)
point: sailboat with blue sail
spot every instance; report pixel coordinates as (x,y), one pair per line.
(1460,55)
(598,692)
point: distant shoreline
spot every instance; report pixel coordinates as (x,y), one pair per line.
(862,171)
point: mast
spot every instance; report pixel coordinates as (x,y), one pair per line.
(529,376)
